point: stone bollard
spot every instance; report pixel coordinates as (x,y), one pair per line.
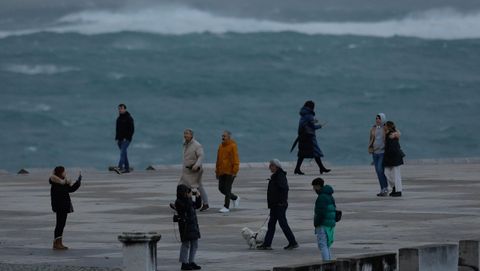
(368,262)
(469,254)
(441,257)
(139,250)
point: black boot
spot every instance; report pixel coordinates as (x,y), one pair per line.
(186,266)
(321,166)
(393,191)
(297,167)
(195,266)
(297,171)
(324,170)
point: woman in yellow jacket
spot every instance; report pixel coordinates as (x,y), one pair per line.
(226,169)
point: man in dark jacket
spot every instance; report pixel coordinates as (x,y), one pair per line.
(277,198)
(124,133)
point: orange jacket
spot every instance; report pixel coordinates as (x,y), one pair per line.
(227,158)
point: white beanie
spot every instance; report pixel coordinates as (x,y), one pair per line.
(276,162)
(383,118)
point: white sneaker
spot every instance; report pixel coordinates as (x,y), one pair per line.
(224,210)
(236,203)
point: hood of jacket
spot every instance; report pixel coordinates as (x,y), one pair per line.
(383,118)
(228,142)
(327,189)
(306,111)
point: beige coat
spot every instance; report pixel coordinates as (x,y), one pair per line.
(192,164)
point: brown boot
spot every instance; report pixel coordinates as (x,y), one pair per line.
(57,244)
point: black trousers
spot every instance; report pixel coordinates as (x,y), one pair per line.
(225,186)
(278,213)
(60,225)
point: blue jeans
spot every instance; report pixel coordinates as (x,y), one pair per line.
(278,213)
(188,251)
(379,169)
(322,243)
(123,162)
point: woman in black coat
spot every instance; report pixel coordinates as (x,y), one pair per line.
(60,190)
(393,158)
(188,226)
(307,140)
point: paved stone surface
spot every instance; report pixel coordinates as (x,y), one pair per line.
(441,204)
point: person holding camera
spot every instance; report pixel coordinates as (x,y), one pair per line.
(60,190)
(192,165)
(186,217)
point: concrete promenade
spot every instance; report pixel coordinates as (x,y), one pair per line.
(441,204)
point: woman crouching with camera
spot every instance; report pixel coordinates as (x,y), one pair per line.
(185,206)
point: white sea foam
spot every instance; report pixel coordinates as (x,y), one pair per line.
(37,69)
(42,108)
(31,148)
(143,145)
(115,75)
(432,24)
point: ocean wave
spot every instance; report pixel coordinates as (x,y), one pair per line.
(37,69)
(143,145)
(433,24)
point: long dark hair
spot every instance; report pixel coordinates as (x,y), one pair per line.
(58,171)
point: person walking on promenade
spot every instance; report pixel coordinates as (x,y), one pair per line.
(226,170)
(376,147)
(324,217)
(393,158)
(307,140)
(277,198)
(188,225)
(60,190)
(124,133)
(192,165)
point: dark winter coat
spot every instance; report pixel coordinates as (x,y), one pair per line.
(188,223)
(393,155)
(277,193)
(125,127)
(60,195)
(325,208)
(307,140)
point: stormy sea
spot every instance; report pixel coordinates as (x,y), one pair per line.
(210,68)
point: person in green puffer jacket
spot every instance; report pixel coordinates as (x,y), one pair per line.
(324,218)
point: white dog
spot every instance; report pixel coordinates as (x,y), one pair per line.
(254,239)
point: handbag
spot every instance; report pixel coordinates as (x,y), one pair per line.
(338,215)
